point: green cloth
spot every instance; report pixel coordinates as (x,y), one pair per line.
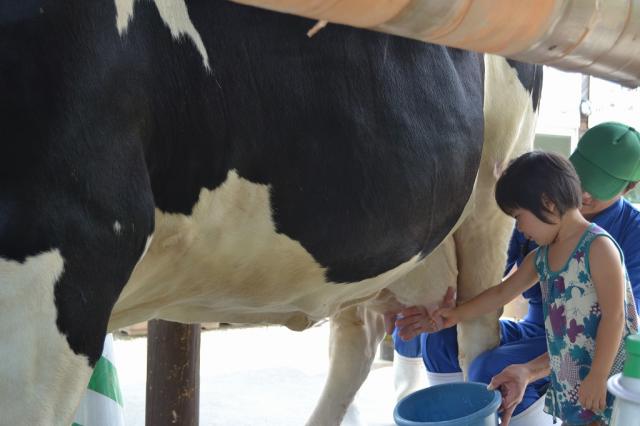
(105,380)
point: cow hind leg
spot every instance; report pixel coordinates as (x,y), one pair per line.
(354,338)
(479,269)
(481,241)
(481,246)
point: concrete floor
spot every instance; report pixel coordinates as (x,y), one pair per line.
(259,376)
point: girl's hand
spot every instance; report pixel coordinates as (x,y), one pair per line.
(414,321)
(593,392)
(448,317)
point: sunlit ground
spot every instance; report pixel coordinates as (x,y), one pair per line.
(258,376)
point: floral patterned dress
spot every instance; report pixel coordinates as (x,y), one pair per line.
(572,315)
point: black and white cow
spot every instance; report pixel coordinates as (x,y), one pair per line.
(268,176)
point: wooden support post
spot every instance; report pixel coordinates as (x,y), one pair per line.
(173,374)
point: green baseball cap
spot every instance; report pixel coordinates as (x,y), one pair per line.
(607,159)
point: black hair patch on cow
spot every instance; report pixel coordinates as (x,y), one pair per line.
(12,11)
(185,131)
(362,137)
(530,75)
(72,172)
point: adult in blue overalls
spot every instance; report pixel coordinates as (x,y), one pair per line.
(607,160)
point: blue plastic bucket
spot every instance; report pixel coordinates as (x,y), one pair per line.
(451,404)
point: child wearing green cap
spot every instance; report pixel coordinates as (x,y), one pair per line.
(588,304)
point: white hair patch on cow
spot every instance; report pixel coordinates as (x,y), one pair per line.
(227,262)
(124,15)
(144,252)
(32,343)
(117,228)
(175,15)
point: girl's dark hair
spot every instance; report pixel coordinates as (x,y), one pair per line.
(536,177)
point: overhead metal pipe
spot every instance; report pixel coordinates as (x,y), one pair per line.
(595,37)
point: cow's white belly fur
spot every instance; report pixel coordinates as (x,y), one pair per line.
(226,262)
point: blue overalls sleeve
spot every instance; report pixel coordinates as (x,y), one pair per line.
(631,250)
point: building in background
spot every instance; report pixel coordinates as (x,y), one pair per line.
(569,100)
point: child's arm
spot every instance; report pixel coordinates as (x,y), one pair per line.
(495,297)
(608,279)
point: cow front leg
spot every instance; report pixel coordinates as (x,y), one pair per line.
(54,308)
(354,338)
(481,241)
(41,377)
(67,249)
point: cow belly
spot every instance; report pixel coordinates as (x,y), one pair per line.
(226,262)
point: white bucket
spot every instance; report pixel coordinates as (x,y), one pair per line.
(626,407)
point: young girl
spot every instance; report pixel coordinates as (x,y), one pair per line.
(588,304)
